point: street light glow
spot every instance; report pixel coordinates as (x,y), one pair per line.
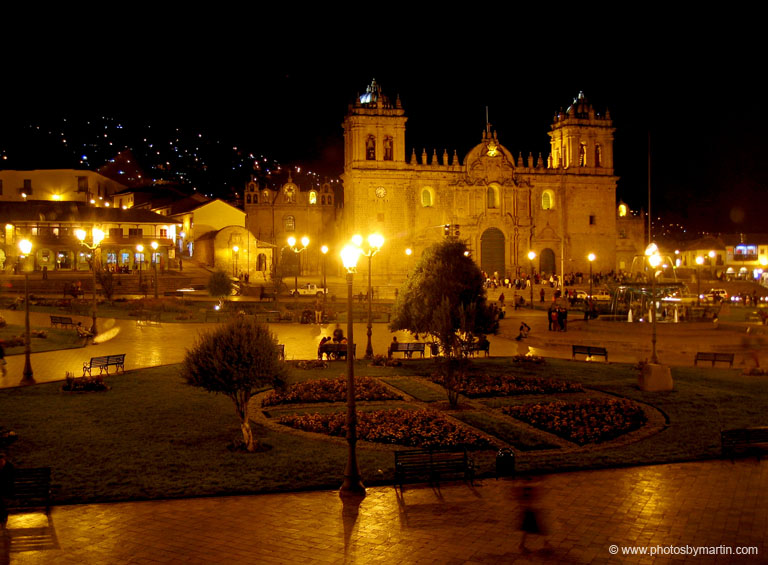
(349,256)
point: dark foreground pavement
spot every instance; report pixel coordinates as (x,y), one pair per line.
(713,506)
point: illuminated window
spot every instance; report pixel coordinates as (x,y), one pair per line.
(582,155)
(312,197)
(290,223)
(426,198)
(493,196)
(164,232)
(547,200)
(622,210)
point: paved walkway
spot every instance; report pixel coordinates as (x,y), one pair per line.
(664,508)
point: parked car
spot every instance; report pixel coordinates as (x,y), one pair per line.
(309,290)
(601,296)
(714,295)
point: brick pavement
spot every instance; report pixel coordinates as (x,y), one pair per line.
(713,503)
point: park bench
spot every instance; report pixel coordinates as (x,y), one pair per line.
(62,321)
(406,348)
(31,489)
(104,363)
(433,463)
(472,349)
(589,351)
(267,317)
(337,350)
(145,318)
(744,440)
(714,357)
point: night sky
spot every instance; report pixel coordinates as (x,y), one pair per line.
(699,100)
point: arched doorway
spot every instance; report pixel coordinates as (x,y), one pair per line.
(547,261)
(492,252)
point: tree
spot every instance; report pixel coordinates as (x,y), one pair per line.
(107,281)
(219,285)
(444,297)
(238,359)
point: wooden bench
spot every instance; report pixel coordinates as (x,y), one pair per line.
(433,463)
(337,350)
(406,348)
(472,349)
(744,440)
(145,318)
(589,351)
(714,357)
(104,363)
(62,321)
(31,489)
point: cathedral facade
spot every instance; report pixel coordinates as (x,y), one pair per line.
(562,207)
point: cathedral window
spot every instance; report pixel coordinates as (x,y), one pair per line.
(247,198)
(592,220)
(312,197)
(598,155)
(388,148)
(322,199)
(290,223)
(265,197)
(547,200)
(427,199)
(493,196)
(622,210)
(370,148)
(582,155)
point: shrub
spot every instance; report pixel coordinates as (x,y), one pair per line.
(586,421)
(413,428)
(330,390)
(508,385)
(84,384)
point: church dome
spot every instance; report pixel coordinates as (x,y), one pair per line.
(373,94)
(580,108)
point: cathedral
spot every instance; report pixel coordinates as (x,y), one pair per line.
(562,208)
(516,214)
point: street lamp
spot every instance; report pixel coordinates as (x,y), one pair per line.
(140,251)
(654,260)
(531,257)
(292,245)
(154,262)
(408,253)
(711,264)
(324,251)
(235,254)
(26,248)
(97,236)
(353,484)
(591,258)
(699,263)
(375,241)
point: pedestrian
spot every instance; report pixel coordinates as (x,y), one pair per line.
(318,312)
(541,294)
(531,522)
(6,487)
(501,299)
(392,347)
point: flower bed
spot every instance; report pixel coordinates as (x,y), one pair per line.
(84,384)
(476,386)
(413,428)
(586,421)
(330,390)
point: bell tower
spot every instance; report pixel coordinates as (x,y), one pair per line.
(581,140)
(374,131)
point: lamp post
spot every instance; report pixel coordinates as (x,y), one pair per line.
(324,251)
(654,260)
(712,255)
(353,484)
(235,254)
(375,241)
(26,248)
(140,251)
(97,236)
(292,245)
(153,245)
(699,263)
(531,257)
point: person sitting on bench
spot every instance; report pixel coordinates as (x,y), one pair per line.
(82,332)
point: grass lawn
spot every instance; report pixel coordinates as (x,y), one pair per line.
(56,338)
(152,436)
